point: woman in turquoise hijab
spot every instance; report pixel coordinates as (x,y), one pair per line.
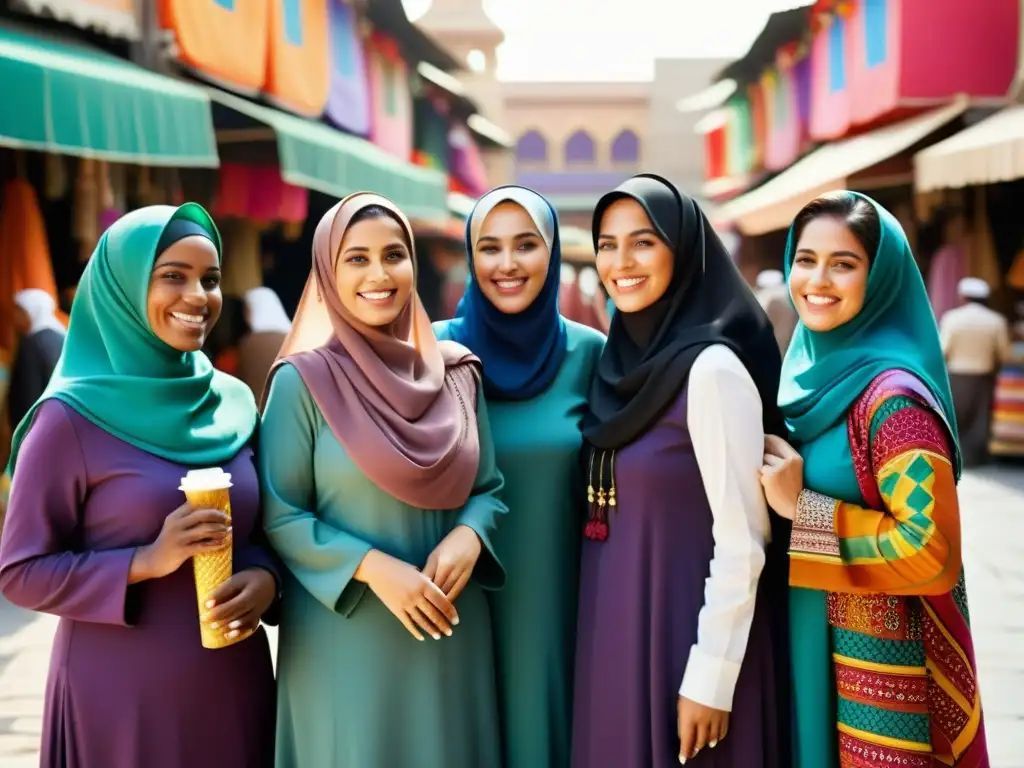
(97,531)
(883,662)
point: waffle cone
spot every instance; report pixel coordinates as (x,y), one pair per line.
(212,568)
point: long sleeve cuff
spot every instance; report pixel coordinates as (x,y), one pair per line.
(709,680)
(814,525)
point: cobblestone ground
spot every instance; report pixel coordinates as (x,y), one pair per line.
(993,524)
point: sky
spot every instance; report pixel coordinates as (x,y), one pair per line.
(559,40)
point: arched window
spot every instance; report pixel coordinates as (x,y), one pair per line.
(532,148)
(579,148)
(626,148)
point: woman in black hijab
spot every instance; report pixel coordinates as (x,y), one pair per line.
(675,649)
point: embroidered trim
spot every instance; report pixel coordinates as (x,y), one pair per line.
(814,525)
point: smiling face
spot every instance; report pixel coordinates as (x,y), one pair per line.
(510,258)
(374,272)
(829,276)
(184,293)
(634,263)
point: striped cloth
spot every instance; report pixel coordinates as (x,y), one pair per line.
(1007,435)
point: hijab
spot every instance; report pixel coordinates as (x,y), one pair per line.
(388,394)
(824,373)
(119,375)
(521,353)
(648,356)
(41,309)
(266,313)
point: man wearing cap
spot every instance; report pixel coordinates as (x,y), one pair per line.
(975,343)
(773,294)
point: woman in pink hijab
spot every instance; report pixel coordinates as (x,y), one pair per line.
(381,495)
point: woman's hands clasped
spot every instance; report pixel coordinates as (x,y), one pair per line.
(451,564)
(782,476)
(423,600)
(409,594)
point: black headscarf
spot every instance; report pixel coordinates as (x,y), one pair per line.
(649,354)
(647,360)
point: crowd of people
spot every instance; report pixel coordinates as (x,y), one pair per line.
(725,534)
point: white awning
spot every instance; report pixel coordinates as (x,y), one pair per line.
(988,152)
(711,97)
(774,204)
(481,126)
(460,205)
(116,19)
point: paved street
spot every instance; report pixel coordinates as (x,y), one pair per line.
(993,522)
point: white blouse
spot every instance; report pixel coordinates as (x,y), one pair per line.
(725,422)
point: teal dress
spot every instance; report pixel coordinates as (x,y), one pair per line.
(355,689)
(538,443)
(828,469)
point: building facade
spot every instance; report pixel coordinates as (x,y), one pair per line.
(575,141)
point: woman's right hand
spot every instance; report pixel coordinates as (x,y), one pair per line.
(412,597)
(186,532)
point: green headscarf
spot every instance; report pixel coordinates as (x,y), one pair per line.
(115,372)
(824,373)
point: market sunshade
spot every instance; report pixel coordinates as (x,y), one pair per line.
(988,152)
(315,156)
(62,97)
(773,205)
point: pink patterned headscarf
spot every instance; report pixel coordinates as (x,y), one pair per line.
(401,403)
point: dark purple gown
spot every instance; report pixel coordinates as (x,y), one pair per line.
(130,685)
(640,595)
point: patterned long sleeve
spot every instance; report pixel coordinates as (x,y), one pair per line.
(912,546)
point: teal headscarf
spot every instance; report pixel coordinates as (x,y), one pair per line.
(116,373)
(824,373)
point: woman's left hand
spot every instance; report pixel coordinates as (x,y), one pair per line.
(699,727)
(451,564)
(782,476)
(237,605)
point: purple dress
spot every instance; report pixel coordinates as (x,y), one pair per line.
(130,685)
(640,594)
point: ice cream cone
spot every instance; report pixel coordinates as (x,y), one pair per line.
(209,489)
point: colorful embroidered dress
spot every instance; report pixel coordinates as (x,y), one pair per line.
(904,672)
(881,654)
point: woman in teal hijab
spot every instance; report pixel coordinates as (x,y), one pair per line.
(878,606)
(97,532)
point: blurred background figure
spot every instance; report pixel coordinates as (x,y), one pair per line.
(42,339)
(975,343)
(1007,438)
(592,293)
(222,342)
(773,293)
(570,304)
(268,324)
(949,263)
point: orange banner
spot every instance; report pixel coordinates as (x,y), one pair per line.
(225,40)
(298,61)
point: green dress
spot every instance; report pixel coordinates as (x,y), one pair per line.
(355,689)
(538,447)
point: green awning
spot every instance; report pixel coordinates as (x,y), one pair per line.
(62,97)
(315,156)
